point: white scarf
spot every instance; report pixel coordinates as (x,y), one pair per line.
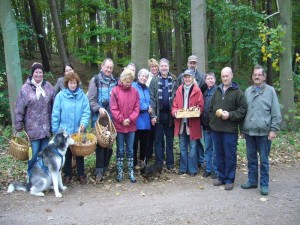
(39,90)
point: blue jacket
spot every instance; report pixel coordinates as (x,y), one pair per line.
(70,110)
(143,121)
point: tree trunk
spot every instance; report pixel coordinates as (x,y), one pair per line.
(117,27)
(40,36)
(59,36)
(108,35)
(269,61)
(178,44)
(285,63)
(198,21)
(160,36)
(140,42)
(234,63)
(12,57)
(80,41)
(93,38)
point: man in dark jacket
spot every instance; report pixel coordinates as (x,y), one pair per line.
(227,110)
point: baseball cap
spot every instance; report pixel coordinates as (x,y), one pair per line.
(193,58)
(189,72)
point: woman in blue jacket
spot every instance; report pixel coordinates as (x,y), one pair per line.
(143,125)
(71,112)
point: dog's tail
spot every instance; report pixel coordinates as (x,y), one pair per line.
(16,185)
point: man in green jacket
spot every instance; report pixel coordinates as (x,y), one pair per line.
(227,110)
(261,123)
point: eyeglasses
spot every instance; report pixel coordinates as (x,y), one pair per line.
(257,75)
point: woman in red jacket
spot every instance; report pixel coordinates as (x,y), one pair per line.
(188,95)
(125,108)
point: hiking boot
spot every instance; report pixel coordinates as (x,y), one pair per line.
(206,174)
(264,190)
(248,185)
(218,182)
(228,187)
(82,179)
(181,173)
(214,175)
(99,176)
(67,180)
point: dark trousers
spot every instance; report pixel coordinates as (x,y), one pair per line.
(141,141)
(103,156)
(68,164)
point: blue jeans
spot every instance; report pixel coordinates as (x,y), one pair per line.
(128,139)
(188,154)
(210,153)
(161,130)
(200,152)
(226,147)
(37,146)
(258,145)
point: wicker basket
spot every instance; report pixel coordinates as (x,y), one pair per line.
(83,149)
(188,113)
(105,131)
(19,147)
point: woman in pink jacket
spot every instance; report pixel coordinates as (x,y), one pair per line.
(189,129)
(125,108)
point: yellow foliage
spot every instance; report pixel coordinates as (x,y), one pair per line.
(263,49)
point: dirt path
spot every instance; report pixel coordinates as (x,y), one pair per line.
(171,199)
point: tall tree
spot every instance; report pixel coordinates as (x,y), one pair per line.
(40,35)
(198,21)
(59,37)
(11,49)
(285,63)
(178,44)
(140,42)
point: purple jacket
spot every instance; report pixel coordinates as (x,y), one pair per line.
(32,114)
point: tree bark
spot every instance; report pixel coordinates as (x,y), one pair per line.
(160,36)
(140,42)
(178,44)
(40,36)
(58,32)
(12,57)
(198,23)
(285,63)
(108,35)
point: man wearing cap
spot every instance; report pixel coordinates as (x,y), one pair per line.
(189,130)
(192,64)
(162,90)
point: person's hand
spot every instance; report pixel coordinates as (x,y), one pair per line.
(153,121)
(271,135)
(102,112)
(81,128)
(225,115)
(150,110)
(126,122)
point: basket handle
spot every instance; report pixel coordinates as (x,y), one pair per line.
(29,143)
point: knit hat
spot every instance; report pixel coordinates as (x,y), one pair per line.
(189,72)
(36,66)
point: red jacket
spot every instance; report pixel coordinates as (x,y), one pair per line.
(124,103)
(195,99)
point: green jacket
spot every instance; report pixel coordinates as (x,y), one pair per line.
(233,101)
(153,88)
(263,113)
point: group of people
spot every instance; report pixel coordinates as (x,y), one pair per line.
(144,112)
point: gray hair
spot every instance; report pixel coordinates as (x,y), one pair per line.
(258,67)
(164,60)
(143,71)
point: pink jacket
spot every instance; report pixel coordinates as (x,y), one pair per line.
(195,99)
(124,103)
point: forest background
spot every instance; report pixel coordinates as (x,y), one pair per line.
(237,33)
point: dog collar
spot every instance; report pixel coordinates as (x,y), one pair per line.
(60,155)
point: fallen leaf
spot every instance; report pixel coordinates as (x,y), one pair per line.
(263,199)
(201,187)
(48,210)
(142,193)
(118,193)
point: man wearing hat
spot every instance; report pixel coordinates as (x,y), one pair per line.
(188,129)
(192,64)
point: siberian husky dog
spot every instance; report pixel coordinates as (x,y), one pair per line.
(46,170)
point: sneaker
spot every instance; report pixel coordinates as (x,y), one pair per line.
(206,174)
(248,185)
(99,177)
(218,182)
(264,190)
(214,175)
(228,187)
